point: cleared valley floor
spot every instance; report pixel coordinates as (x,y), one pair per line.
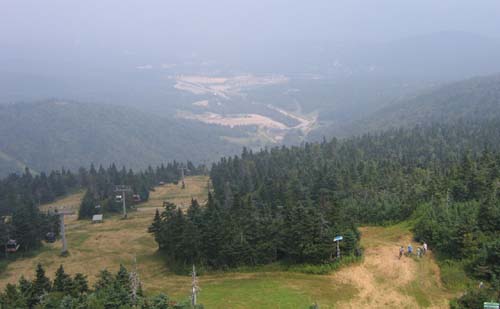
(380,281)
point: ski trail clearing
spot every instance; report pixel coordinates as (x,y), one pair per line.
(385,281)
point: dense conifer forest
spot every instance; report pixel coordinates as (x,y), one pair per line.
(287,204)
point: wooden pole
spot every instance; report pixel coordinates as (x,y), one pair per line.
(135,281)
(182,178)
(64,249)
(194,287)
(124,205)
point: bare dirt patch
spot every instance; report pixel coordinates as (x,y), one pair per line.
(385,281)
(235,120)
(224,87)
(202,103)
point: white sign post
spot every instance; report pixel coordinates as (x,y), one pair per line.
(337,239)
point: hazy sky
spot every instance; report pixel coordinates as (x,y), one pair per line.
(55,31)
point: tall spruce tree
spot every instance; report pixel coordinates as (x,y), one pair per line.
(62,281)
(26,226)
(155,226)
(12,298)
(41,284)
(81,284)
(123,278)
(87,207)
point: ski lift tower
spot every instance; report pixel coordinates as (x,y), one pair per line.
(123,190)
(182,168)
(61,214)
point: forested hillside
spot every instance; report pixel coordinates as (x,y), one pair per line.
(288,203)
(477,98)
(52,135)
(473,99)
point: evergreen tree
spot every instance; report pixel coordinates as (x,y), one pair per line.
(489,214)
(123,278)
(69,302)
(41,284)
(80,283)
(26,226)
(25,286)
(87,207)
(28,292)
(160,301)
(155,227)
(62,281)
(104,280)
(12,298)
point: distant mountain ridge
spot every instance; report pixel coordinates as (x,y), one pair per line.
(472,99)
(53,134)
(477,98)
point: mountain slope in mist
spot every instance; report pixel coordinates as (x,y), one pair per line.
(50,135)
(473,99)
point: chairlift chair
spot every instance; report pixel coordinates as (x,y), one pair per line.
(137,198)
(11,246)
(118,198)
(50,237)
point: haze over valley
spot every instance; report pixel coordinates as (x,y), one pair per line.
(272,86)
(249,154)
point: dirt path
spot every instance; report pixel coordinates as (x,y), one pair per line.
(385,281)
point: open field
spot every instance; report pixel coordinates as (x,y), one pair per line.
(196,187)
(381,280)
(94,247)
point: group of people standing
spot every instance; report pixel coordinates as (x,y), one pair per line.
(420,250)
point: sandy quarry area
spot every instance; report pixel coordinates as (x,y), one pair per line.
(201,103)
(224,87)
(236,120)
